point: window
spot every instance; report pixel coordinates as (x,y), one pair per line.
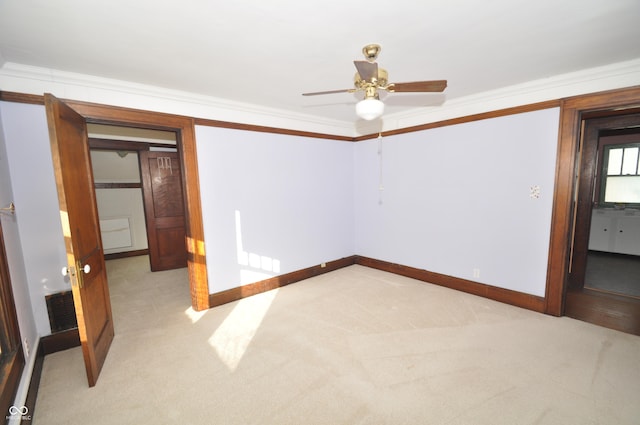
(11,356)
(620,175)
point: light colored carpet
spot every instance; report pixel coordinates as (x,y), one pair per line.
(355,346)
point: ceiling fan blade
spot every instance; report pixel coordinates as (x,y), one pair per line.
(329,92)
(367,70)
(418,86)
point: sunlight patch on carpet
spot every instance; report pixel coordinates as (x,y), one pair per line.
(193,315)
(233,337)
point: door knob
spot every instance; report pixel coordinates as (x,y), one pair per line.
(86,269)
(69,271)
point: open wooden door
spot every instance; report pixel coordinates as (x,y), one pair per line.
(80,225)
(164,209)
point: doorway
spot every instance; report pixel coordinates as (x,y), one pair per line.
(183,127)
(139,194)
(604,267)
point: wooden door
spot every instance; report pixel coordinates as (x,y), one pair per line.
(80,225)
(164,209)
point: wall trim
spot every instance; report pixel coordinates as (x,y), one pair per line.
(34,383)
(265,129)
(60,341)
(39,100)
(255,288)
(34,99)
(126,254)
(49,344)
(90,88)
(27,78)
(468,118)
(507,296)
(613,76)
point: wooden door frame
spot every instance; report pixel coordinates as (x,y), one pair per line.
(573,112)
(105,144)
(13,361)
(112,145)
(588,174)
(186,143)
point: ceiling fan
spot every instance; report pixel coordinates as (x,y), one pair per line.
(370,79)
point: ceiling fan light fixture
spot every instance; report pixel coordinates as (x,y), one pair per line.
(369,109)
(370,79)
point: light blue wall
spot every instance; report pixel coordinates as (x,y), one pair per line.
(273,204)
(37,212)
(21,170)
(285,201)
(458,198)
(291,194)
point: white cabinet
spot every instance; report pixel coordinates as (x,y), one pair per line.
(627,236)
(615,231)
(601,232)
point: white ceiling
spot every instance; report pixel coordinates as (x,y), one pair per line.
(267,53)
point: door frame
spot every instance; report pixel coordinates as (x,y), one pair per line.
(13,359)
(184,128)
(588,165)
(573,112)
(112,145)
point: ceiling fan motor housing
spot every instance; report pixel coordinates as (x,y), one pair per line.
(380,81)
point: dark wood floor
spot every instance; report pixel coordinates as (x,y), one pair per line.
(611,296)
(604,309)
(615,273)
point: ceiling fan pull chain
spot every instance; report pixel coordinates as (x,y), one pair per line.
(380,182)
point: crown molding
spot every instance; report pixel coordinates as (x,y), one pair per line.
(81,87)
(614,76)
(36,80)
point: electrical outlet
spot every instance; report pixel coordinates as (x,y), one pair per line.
(476,273)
